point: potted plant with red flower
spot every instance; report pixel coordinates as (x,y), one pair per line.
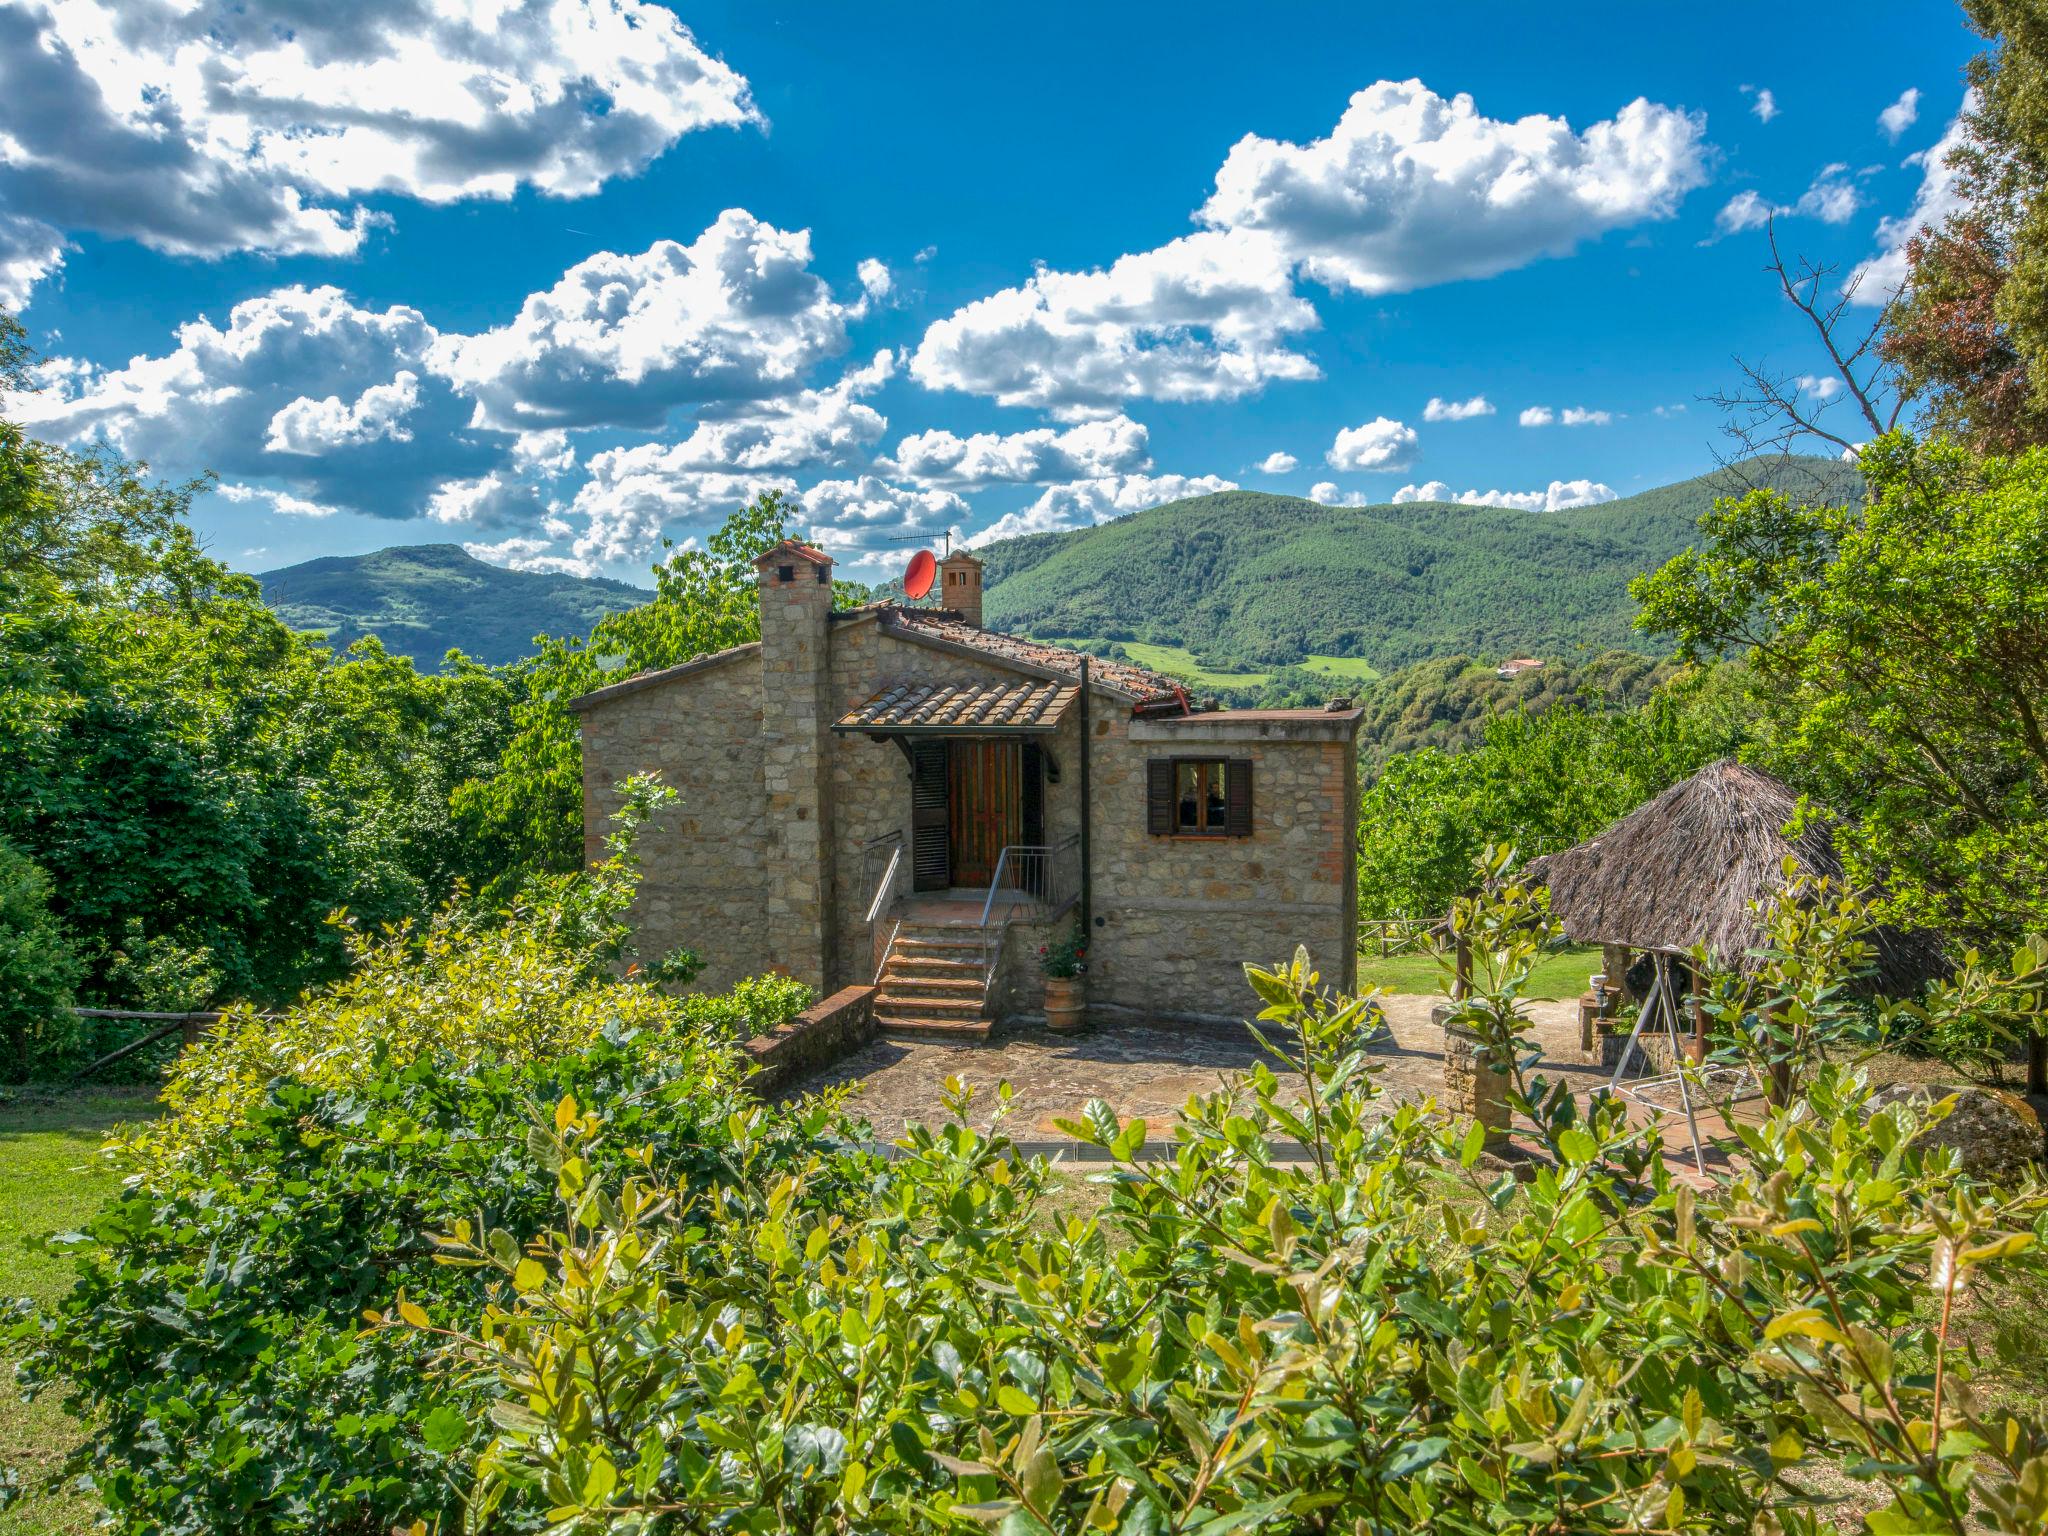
(1064,961)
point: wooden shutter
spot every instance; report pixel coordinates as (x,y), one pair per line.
(1033,792)
(931,866)
(1238,792)
(1159,796)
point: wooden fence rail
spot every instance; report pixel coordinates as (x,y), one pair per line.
(1386,936)
(190,1025)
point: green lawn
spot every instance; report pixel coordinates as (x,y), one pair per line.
(51,1179)
(1561,974)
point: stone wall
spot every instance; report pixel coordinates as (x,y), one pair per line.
(870,787)
(703,878)
(1176,918)
(818,1036)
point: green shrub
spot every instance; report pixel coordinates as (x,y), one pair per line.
(214,1338)
(38,969)
(1376,1335)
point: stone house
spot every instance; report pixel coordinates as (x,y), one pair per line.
(896,794)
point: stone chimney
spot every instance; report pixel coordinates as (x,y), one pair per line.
(960,586)
(796,719)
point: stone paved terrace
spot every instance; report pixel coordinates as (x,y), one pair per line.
(1150,1070)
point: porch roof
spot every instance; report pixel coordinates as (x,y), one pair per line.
(972,709)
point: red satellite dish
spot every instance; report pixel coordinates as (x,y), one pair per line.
(918,579)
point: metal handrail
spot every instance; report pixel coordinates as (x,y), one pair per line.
(1039,863)
(887,885)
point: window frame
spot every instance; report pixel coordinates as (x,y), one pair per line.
(1227,772)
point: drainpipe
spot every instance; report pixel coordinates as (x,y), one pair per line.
(1087,809)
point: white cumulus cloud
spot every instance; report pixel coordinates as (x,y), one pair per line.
(1879,277)
(1763,102)
(622,339)
(863,522)
(1083,503)
(1580,416)
(1557,497)
(1279,462)
(1202,318)
(1412,188)
(283,503)
(1087,450)
(1379,444)
(523,552)
(1456,410)
(1537,416)
(806,427)
(300,386)
(207,126)
(1409,189)
(316,426)
(30,251)
(1902,114)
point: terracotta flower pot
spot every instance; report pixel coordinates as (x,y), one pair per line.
(1066,1010)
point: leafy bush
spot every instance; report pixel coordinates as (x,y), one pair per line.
(37,972)
(1536,782)
(214,1336)
(1377,1335)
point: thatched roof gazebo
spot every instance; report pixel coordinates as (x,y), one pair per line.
(1684,869)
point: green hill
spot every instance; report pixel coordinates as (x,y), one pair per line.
(1247,581)
(423,600)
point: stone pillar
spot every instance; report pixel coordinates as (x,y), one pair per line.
(960,585)
(796,720)
(1475,1084)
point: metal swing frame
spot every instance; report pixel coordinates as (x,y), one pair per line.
(1662,1005)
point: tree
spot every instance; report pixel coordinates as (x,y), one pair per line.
(37,971)
(201,786)
(1900,656)
(1537,782)
(1969,332)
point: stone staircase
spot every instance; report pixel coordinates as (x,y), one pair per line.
(931,983)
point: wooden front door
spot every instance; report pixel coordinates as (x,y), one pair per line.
(986,805)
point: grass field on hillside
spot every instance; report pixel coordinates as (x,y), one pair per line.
(51,1179)
(1178,661)
(1351,669)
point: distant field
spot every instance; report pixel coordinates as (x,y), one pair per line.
(1353,669)
(1178,661)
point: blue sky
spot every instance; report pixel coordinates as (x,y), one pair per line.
(555,280)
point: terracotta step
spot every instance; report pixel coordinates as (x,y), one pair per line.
(950,1029)
(933,964)
(891,1000)
(965,982)
(941,943)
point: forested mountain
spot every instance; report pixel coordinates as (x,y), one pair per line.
(1244,580)
(422,600)
(1249,580)
(1446,702)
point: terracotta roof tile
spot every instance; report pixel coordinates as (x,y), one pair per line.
(950,629)
(1016,706)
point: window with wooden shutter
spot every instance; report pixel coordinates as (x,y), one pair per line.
(1159,796)
(1239,796)
(1198,797)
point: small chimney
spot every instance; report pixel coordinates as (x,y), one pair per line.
(960,586)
